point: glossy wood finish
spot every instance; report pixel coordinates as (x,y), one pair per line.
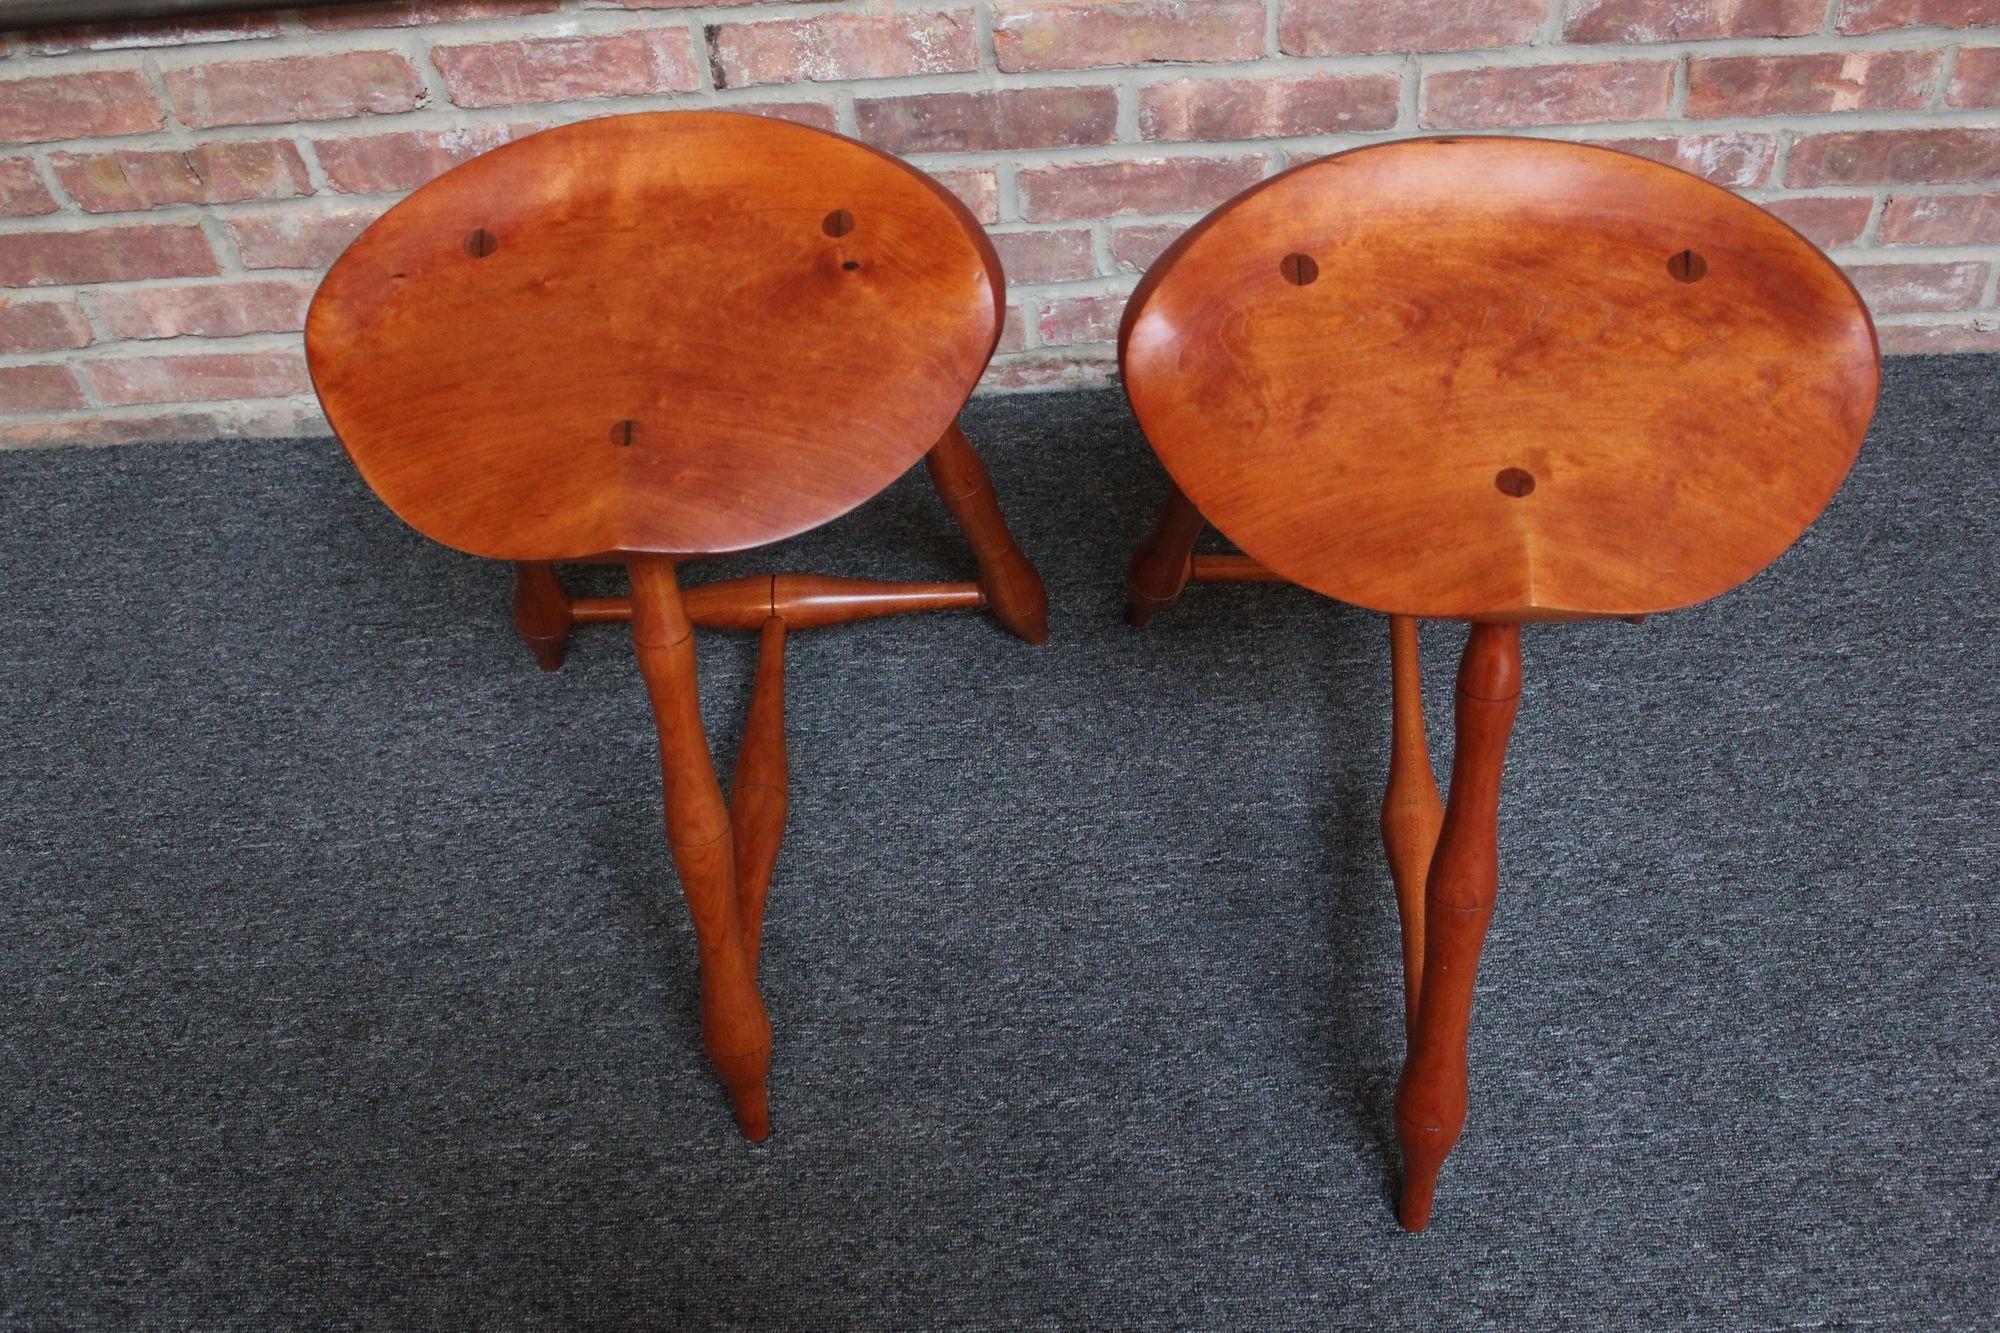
(1160,568)
(1412,811)
(1013,589)
(1492,380)
(1227,568)
(646,338)
(681,332)
(1458,904)
(1494,397)
(734,1025)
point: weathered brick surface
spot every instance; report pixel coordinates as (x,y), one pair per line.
(273,92)
(1688,20)
(126,180)
(1347,27)
(104,254)
(42,326)
(202,377)
(1068,190)
(76,106)
(1547,94)
(1080,34)
(178,185)
(212,310)
(22,193)
(563,69)
(1941,219)
(1812,85)
(843,46)
(989,121)
(1218,110)
(38,389)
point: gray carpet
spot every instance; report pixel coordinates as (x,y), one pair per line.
(346,983)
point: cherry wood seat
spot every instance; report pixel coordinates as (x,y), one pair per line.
(651,338)
(1495,380)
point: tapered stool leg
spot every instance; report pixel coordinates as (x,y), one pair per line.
(1013,589)
(734,1025)
(1458,905)
(757,792)
(542,611)
(1411,810)
(1160,568)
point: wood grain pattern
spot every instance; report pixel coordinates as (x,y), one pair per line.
(1492,399)
(734,1026)
(1411,809)
(1014,590)
(661,348)
(1431,1098)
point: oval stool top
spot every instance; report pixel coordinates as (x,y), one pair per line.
(681,333)
(1501,379)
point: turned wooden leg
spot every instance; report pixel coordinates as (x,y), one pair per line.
(542,611)
(757,791)
(733,1023)
(1458,904)
(1013,589)
(1160,569)
(1411,810)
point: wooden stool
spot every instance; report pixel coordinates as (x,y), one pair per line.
(655,337)
(1492,380)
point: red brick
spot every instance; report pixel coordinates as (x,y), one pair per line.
(42,326)
(819,115)
(405,159)
(844,46)
(1740,161)
(105,254)
(419,13)
(1907,289)
(1066,190)
(1013,332)
(990,121)
(1826,220)
(1548,94)
(273,92)
(1810,85)
(212,173)
(205,377)
(709,4)
(22,193)
(1047,371)
(156,32)
(1689,20)
(249,420)
(977,188)
(1081,34)
(1940,219)
(562,69)
(1060,255)
(217,310)
(1975,80)
(1895,157)
(1220,110)
(1080,319)
(1882,15)
(77,106)
(1341,27)
(1939,336)
(38,389)
(1135,248)
(290,239)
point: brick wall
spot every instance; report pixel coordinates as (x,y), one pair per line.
(170,192)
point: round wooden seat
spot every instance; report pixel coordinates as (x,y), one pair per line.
(1501,379)
(682,333)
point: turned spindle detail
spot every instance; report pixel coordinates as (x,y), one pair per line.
(1458,904)
(541,612)
(757,791)
(1160,568)
(734,1025)
(1014,590)
(1411,809)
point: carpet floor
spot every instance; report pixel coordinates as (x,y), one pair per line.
(346,982)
